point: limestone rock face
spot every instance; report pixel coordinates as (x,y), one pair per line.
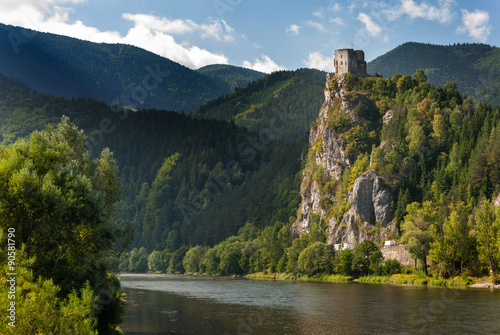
(311,196)
(370,199)
(370,203)
(382,200)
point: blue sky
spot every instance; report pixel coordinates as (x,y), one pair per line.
(263,35)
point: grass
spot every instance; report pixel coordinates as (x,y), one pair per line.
(397,279)
(290,276)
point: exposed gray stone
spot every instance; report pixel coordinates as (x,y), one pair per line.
(361,197)
(382,199)
(388,116)
(497,201)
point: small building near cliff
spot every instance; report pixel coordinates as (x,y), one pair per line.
(350,60)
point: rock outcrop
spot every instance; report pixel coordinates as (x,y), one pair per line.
(371,200)
(370,215)
(497,201)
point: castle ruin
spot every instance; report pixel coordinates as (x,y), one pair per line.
(350,60)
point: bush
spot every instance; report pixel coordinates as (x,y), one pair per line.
(391,267)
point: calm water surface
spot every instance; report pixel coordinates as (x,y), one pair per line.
(167,304)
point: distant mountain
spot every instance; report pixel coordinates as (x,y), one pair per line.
(475,67)
(282,104)
(113,73)
(233,76)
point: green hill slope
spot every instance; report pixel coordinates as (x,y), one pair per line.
(213,162)
(475,67)
(233,76)
(286,101)
(113,73)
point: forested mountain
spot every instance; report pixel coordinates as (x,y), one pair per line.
(288,100)
(113,73)
(172,166)
(474,67)
(233,76)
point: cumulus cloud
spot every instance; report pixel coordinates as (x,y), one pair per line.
(443,13)
(152,33)
(264,64)
(475,24)
(293,29)
(317,61)
(371,27)
(216,29)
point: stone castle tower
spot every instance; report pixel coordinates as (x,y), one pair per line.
(350,60)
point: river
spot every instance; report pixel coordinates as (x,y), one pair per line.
(185,305)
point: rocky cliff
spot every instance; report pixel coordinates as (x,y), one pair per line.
(365,211)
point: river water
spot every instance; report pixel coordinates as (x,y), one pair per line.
(182,305)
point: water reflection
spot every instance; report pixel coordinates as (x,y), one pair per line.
(166,304)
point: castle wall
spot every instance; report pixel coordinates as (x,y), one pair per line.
(349,60)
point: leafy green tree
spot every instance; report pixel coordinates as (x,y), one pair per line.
(315,259)
(138,261)
(376,260)
(453,244)
(193,259)
(230,259)
(154,261)
(61,204)
(294,253)
(343,262)
(417,230)
(487,232)
(210,262)
(362,258)
(175,265)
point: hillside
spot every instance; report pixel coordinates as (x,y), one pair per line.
(233,76)
(284,102)
(113,73)
(475,67)
(211,162)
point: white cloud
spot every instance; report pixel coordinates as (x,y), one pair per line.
(165,45)
(319,13)
(371,27)
(337,20)
(316,25)
(149,32)
(442,14)
(293,29)
(475,24)
(264,64)
(317,61)
(216,29)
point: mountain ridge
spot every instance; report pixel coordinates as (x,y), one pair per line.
(473,66)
